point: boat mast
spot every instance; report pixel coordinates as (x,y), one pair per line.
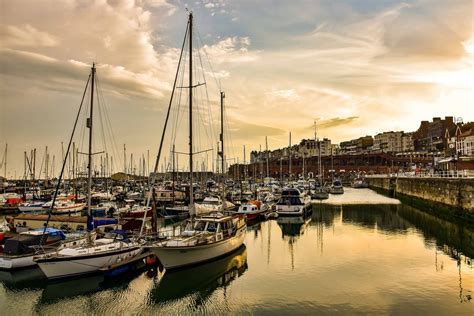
(191,189)
(266,150)
(289,166)
(89,154)
(319,154)
(222,149)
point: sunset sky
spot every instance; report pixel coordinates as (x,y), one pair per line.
(357,67)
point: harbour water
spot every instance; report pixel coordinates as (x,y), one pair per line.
(362,253)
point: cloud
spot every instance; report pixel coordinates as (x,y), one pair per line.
(25,36)
(242,130)
(231,50)
(337,121)
(70,75)
(360,67)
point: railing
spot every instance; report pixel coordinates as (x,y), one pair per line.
(427,174)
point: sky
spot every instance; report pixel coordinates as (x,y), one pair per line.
(356,67)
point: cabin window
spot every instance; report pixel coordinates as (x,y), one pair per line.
(211,227)
(199,226)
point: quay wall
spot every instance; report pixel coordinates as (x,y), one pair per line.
(450,195)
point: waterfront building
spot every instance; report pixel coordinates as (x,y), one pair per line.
(356,146)
(407,142)
(388,142)
(430,136)
(309,148)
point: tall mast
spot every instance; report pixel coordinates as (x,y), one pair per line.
(124,159)
(174,174)
(222,148)
(89,154)
(319,153)
(5,170)
(191,189)
(266,150)
(289,164)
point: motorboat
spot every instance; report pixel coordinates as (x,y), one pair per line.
(359,183)
(253,209)
(292,203)
(336,187)
(204,238)
(213,204)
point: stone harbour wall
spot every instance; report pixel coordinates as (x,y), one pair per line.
(456,194)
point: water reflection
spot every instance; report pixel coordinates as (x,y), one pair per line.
(381,259)
(293,226)
(23,279)
(57,290)
(201,280)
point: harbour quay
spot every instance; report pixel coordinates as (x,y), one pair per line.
(448,193)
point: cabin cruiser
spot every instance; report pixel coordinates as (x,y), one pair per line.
(359,183)
(319,192)
(336,187)
(253,209)
(212,204)
(204,238)
(292,203)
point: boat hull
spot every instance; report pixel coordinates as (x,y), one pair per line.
(26,209)
(180,257)
(9,263)
(63,267)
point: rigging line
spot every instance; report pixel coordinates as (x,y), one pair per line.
(64,164)
(211,138)
(229,135)
(41,167)
(110,130)
(207,94)
(155,169)
(180,94)
(108,133)
(200,122)
(218,83)
(101,118)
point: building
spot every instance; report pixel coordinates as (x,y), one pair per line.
(407,142)
(388,142)
(356,146)
(309,148)
(431,136)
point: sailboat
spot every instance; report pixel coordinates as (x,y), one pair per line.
(319,192)
(115,249)
(206,237)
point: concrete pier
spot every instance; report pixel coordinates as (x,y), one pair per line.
(454,196)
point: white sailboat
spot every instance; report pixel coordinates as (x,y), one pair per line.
(110,252)
(205,237)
